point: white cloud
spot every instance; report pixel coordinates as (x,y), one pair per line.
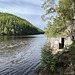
(19,10)
(37,2)
(22,8)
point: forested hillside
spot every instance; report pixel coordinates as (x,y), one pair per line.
(13,25)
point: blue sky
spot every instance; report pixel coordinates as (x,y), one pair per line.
(28,9)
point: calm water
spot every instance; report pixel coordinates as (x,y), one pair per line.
(20,55)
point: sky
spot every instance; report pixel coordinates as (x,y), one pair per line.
(28,9)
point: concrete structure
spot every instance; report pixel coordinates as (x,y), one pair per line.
(59,42)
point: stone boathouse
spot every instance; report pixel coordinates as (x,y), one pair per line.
(59,42)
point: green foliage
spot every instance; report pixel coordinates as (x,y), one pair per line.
(47,59)
(13,25)
(65,9)
(72,48)
(5,30)
(61,63)
(50,7)
(47,62)
(63,23)
(57,28)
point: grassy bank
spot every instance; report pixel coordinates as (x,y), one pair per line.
(62,63)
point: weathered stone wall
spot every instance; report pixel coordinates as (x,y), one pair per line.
(67,41)
(54,41)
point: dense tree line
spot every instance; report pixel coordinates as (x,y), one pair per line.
(13,25)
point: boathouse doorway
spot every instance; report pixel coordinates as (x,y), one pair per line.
(61,45)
